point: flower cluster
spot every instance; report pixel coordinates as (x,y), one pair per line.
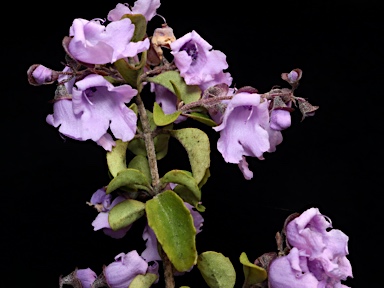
(317,254)
(109,65)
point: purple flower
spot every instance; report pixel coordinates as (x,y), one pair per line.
(243,131)
(119,274)
(86,277)
(102,202)
(95,43)
(197,63)
(151,253)
(317,257)
(95,106)
(147,8)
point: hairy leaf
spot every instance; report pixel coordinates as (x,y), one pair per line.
(130,178)
(196,143)
(143,281)
(193,193)
(162,119)
(125,213)
(171,79)
(116,159)
(140,163)
(140,26)
(173,225)
(216,269)
(253,274)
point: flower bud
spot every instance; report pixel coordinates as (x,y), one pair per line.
(40,75)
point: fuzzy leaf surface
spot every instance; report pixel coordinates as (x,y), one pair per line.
(125,213)
(196,143)
(116,158)
(253,274)
(130,178)
(216,269)
(143,281)
(173,225)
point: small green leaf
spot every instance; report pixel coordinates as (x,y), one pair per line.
(216,269)
(173,225)
(171,79)
(203,118)
(131,73)
(143,281)
(162,119)
(125,213)
(196,143)
(253,274)
(190,193)
(161,142)
(140,163)
(140,26)
(116,159)
(130,178)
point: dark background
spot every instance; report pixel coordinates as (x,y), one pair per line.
(332,161)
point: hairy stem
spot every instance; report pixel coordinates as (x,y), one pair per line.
(149,144)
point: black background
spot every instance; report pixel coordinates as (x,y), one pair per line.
(332,161)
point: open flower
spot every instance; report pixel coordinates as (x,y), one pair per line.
(95,106)
(147,8)
(94,43)
(198,64)
(317,257)
(119,274)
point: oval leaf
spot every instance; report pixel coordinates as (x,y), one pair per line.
(143,281)
(173,225)
(172,79)
(196,143)
(130,178)
(116,159)
(140,163)
(216,269)
(253,274)
(125,213)
(162,119)
(183,178)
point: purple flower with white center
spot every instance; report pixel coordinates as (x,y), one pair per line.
(102,202)
(243,131)
(86,277)
(95,106)
(147,8)
(197,63)
(317,257)
(151,253)
(95,43)
(119,274)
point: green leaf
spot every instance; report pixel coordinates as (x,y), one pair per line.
(191,193)
(196,143)
(116,158)
(173,225)
(143,281)
(140,26)
(253,274)
(125,213)
(203,118)
(130,178)
(216,269)
(140,163)
(131,73)
(162,119)
(161,142)
(171,79)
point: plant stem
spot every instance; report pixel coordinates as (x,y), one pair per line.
(149,144)
(151,154)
